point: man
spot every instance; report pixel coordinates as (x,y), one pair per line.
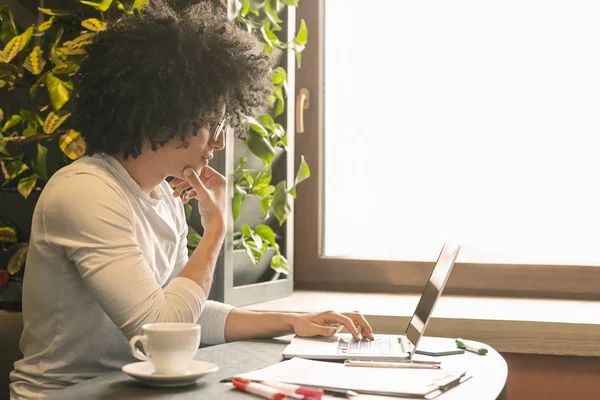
(108,244)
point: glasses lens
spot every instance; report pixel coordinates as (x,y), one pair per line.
(220,128)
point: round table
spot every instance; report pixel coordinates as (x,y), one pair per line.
(488,382)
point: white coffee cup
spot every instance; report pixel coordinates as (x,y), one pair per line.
(170,347)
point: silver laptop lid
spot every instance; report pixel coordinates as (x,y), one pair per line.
(431,293)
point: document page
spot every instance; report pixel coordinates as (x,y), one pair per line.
(361,379)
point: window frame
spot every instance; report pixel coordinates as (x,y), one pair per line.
(315,271)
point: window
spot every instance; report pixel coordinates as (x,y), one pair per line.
(461,121)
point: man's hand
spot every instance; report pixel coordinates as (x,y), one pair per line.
(209,189)
(324,324)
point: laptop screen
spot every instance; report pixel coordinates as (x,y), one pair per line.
(433,290)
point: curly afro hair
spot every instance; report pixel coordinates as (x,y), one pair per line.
(161,74)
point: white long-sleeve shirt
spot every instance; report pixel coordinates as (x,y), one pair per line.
(101,262)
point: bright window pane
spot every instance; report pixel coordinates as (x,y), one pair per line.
(468,121)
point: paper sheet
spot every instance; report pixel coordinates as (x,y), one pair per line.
(361,379)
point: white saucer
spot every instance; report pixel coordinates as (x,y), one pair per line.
(144,371)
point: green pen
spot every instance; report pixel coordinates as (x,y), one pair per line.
(460,343)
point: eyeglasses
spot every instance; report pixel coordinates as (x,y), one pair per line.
(220,128)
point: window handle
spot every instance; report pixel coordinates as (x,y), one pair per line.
(302,104)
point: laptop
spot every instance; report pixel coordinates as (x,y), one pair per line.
(384,347)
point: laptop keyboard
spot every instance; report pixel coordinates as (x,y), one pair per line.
(378,346)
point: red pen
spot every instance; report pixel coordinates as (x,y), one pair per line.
(259,389)
(288,388)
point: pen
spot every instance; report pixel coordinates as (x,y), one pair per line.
(461,343)
(357,363)
(289,389)
(261,390)
(340,392)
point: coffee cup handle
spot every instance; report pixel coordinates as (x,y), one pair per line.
(136,353)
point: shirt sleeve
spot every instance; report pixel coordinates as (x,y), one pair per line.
(213,321)
(93,223)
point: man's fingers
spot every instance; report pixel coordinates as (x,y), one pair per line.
(359,319)
(325,330)
(195,182)
(175,181)
(177,190)
(211,178)
(347,322)
(187,196)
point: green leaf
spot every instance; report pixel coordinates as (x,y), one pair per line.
(281,204)
(265,204)
(27,184)
(260,146)
(279,131)
(65,68)
(102,6)
(56,12)
(265,191)
(268,50)
(299,58)
(271,13)
(54,120)
(266,234)
(94,24)
(187,208)
(8,234)
(15,168)
(79,43)
(247,232)
(279,76)
(291,3)
(9,30)
(256,126)
(35,61)
(17,260)
(270,37)
(236,205)
(302,35)
(41,164)
(1,115)
(279,264)
(59,90)
(72,144)
(3,147)
(44,26)
(280,101)
(30,130)
(16,44)
(193,237)
(36,85)
(267,122)
(262,179)
(245,8)
(12,122)
(139,4)
(239,195)
(253,252)
(303,172)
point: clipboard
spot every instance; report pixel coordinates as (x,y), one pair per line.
(413,383)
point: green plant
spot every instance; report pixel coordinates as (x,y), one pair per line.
(256,242)
(37,66)
(265,135)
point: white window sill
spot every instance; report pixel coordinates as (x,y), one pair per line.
(514,325)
